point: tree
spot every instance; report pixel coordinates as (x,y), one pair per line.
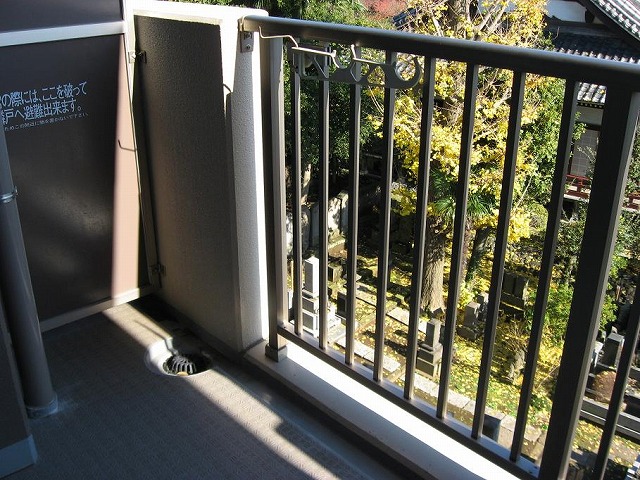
(351,12)
(511,23)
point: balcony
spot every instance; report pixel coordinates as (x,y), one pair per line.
(216,187)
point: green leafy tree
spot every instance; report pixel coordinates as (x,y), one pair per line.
(351,12)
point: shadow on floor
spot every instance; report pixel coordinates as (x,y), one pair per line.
(117,419)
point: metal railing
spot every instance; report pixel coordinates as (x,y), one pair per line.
(607,191)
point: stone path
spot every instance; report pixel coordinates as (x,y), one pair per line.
(460,406)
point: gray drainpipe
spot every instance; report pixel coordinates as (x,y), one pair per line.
(19,302)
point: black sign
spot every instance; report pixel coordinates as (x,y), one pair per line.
(59,116)
(32,14)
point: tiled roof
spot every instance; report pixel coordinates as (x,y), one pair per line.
(625,13)
(598,46)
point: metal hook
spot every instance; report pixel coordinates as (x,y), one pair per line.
(347,73)
(8,197)
(303,50)
(122,147)
(268,37)
(392,79)
(355,58)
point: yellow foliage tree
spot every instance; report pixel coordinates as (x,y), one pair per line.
(515,22)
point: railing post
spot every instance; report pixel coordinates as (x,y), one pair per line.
(20,304)
(271,66)
(607,191)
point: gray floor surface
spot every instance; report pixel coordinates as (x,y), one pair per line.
(118,419)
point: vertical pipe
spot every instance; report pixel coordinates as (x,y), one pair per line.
(506,197)
(385,217)
(354,193)
(323,106)
(296,172)
(460,221)
(605,203)
(424,159)
(619,387)
(22,316)
(275,198)
(563,155)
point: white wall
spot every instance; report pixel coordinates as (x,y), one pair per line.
(567,11)
(216,269)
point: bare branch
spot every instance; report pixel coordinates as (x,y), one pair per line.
(496,22)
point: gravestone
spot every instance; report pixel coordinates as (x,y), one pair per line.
(508,282)
(520,287)
(432,336)
(438,314)
(334,272)
(312,275)
(595,354)
(337,217)
(469,328)
(310,322)
(311,298)
(482,299)
(342,304)
(290,303)
(612,350)
(310,292)
(338,213)
(514,291)
(491,427)
(310,303)
(429,357)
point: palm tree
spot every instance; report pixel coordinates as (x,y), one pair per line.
(439,227)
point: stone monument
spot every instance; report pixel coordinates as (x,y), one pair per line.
(429,357)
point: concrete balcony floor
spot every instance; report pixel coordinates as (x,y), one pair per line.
(119,419)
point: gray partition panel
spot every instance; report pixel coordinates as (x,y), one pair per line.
(32,14)
(183,100)
(59,116)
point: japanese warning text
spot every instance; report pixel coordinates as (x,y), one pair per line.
(30,108)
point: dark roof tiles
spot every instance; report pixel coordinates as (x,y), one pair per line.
(626,13)
(596,46)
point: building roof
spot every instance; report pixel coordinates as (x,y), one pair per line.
(625,14)
(596,43)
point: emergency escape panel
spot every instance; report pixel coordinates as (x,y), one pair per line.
(67,122)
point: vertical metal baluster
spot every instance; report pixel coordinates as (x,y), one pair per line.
(323,106)
(619,387)
(385,216)
(420,221)
(354,192)
(603,213)
(605,203)
(275,196)
(546,266)
(296,173)
(506,197)
(458,253)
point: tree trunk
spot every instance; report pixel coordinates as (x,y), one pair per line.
(466,244)
(478,251)
(432,295)
(456,12)
(306,183)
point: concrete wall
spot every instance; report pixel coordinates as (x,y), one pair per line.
(199,99)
